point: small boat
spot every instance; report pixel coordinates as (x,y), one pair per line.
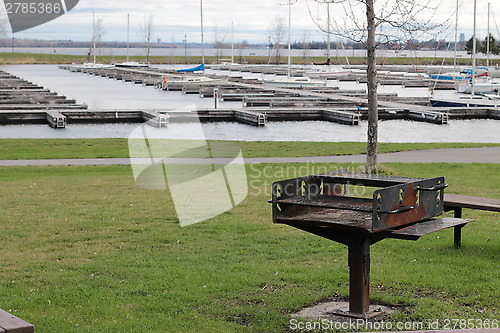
(467,101)
(88,65)
(127,63)
(289,81)
(482,85)
(327,73)
(225,65)
(193,81)
(131,64)
(94,64)
(199,68)
(461,75)
(300,82)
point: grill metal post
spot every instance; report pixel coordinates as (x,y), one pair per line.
(359,274)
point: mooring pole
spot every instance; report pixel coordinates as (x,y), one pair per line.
(359,275)
(216,96)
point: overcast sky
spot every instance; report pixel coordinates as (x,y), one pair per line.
(173,19)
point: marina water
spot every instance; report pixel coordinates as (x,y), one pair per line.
(102,93)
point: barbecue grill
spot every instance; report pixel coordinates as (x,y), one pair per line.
(358,210)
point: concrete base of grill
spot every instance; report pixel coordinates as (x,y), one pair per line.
(339,311)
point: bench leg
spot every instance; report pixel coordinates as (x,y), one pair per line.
(457,234)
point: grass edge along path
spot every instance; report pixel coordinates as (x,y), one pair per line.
(16,149)
(84,249)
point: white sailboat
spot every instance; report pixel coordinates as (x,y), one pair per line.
(195,80)
(127,63)
(94,64)
(293,81)
(189,81)
(481,84)
(326,70)
(298,82)
(473,86)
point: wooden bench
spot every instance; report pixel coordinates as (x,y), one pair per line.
(12,324)
(456,202)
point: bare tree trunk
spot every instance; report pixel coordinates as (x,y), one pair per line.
(147,29)
(371,71)
(148,53)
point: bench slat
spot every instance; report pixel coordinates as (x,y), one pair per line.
(420,229)
(12,324)
(465,201)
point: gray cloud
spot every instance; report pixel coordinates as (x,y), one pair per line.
(174,19)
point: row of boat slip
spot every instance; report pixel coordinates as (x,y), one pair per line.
(250,116)
(405,82)
(262,101)
(259,69)
(19,94)
(296,100)
(137,76)
(59,118)
(422,69)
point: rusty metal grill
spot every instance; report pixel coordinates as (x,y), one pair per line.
(322,204)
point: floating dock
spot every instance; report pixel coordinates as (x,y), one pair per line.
(24,102)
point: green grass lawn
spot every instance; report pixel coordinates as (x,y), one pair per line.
(85,250)
(115,148)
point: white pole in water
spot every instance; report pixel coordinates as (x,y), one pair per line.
(202,41)
(473,52)
(289,40)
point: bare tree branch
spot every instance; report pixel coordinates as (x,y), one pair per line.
(147,30)
(220,34)
(277,33)
(97,34)
(384,22)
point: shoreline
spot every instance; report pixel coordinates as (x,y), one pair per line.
(18,58)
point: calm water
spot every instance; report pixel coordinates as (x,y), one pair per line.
(389,131)
(101,93)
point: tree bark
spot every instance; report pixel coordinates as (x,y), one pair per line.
(371,71)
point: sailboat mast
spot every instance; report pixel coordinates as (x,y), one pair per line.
(473,52)
(488,39)
(128,35)
(232,42)
(94,35)
(289,40)
(202,41)
(456,36)
(328,31)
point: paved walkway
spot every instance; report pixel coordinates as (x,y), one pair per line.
(462,155)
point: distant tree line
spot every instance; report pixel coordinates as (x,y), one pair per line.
(482,46)
(432,44)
